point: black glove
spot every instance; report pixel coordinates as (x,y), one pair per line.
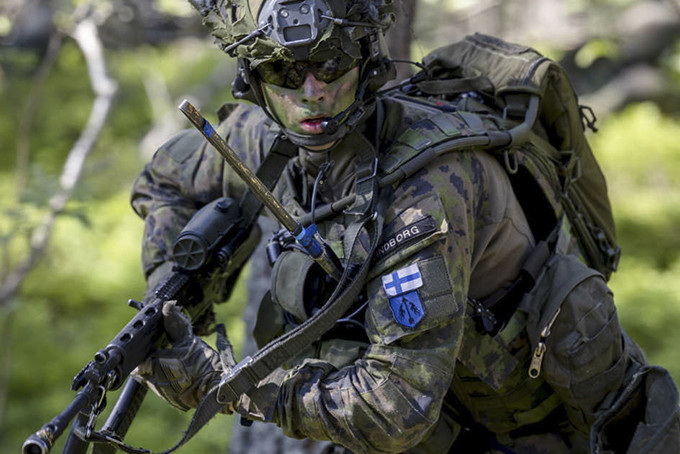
(183,374)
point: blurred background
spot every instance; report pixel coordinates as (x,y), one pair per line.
(89,89)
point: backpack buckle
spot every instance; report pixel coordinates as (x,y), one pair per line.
(367,172)
(239,380)
(571,168)
(516,105)
(485,320)
(610,253)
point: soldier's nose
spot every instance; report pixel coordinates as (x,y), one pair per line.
(313,90)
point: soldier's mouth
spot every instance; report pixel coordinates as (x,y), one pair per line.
(312,125)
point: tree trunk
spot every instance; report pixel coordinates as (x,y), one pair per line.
(400,36)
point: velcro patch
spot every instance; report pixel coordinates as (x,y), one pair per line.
(403,280)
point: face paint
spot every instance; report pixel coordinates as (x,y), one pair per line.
(302,110)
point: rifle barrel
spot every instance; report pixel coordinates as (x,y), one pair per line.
(43,440)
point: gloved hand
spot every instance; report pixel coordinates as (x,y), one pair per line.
(183,374)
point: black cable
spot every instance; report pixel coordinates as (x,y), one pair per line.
(320,176)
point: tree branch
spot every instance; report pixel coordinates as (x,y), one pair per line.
(86,36)
(30,109)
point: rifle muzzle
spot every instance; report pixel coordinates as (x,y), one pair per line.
(40,442)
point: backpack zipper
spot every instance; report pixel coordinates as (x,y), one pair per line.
(537,357)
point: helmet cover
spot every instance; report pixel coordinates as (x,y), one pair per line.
(314,30)
(256,31)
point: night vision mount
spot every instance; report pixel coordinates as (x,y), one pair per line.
(295,24)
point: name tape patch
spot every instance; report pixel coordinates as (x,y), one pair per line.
(405,235)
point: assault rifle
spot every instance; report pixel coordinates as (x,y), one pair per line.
(216,239)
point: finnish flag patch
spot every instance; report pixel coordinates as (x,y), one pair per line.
(403,280)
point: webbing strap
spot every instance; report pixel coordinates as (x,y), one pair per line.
(366,185)
(269,172)
(366,182)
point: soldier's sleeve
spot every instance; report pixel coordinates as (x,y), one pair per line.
(391,397)
(167,193)
(186,173)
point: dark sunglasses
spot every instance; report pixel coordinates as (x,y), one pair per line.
(291,74)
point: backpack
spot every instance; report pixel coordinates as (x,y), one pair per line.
(506,77)
(558,182)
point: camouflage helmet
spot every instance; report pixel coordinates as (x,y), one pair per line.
(256,31)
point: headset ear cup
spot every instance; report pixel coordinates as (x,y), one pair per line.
(240,86)
(381,73)
(379,68)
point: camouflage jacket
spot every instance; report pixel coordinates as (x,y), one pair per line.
(454,231)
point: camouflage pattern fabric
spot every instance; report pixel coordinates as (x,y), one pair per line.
(453,230)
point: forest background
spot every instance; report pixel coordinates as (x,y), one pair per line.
(89,89)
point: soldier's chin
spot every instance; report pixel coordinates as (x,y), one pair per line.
(316,142)
(322,147)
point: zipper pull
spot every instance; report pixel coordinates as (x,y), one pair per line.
(537,358)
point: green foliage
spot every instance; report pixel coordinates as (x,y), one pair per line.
(15,225)
(597,48)
(639,151)
(15,81)
(74,301)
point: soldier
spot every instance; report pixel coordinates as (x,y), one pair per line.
(412,366)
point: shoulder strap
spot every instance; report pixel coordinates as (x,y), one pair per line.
(269,173)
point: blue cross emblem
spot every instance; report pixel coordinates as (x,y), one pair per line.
(403,280)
